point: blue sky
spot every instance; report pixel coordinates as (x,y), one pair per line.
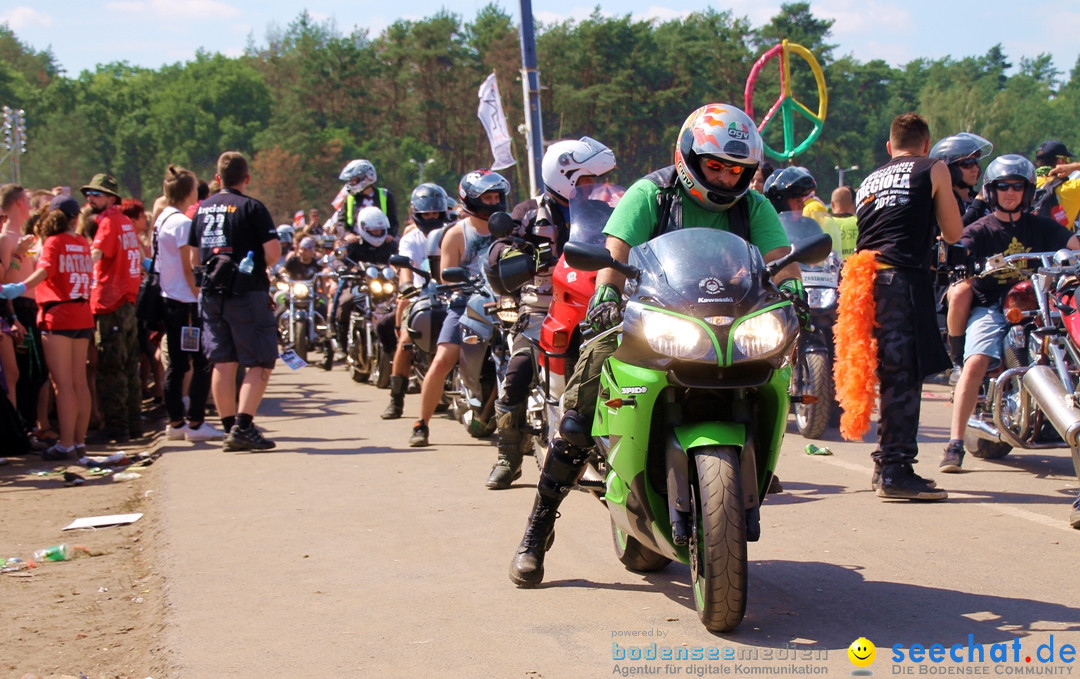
(155,32)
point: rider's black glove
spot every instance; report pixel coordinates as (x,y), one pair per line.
(797,294)
(605,308)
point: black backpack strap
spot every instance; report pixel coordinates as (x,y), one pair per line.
(669,201)
(739,217)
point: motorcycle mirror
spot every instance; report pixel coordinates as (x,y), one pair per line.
(501,225)
(340,253)
(586,257)
(455,274)
(401,261)
(807,250)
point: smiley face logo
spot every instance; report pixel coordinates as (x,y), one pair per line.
(861,652)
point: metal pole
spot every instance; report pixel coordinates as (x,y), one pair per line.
(530,82)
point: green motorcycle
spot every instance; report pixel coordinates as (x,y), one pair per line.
(693,405)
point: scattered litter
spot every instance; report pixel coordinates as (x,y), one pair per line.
(12,564)
(73,479)
(811,449)
(102,590)
(102,521)
(61,552)
(126,476)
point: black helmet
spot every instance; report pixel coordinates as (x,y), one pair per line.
(509,266)
(1010,166)
(428,198)
(788,182)
(957,147)
(476,184)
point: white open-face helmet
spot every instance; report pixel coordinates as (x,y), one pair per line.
(358,175)
(567,161)
(374,226)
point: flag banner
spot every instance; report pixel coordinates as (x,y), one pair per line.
(492,117)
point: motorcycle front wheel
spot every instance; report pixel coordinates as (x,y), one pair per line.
(812,419)
(361,363)
(718,566)
(300,335)
(635,556)
(381,367)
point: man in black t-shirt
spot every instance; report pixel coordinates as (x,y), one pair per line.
(896,206)
(1008,230)
(237,312)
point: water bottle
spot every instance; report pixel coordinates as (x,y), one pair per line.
(248,265)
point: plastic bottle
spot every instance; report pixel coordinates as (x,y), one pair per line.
(61,552)
(247,266)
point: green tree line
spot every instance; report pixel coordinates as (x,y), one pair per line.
(312,97)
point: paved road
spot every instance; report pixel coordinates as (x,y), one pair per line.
(345,553)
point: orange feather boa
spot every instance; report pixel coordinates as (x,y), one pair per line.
(855,369)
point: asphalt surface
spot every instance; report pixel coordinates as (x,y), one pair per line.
(346,553)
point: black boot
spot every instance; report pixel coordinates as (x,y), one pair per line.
(562,469)
(397,397)
(900,482)
(507,468)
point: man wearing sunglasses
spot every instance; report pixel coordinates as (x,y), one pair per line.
(716,155)
(1009,229)
(117,276)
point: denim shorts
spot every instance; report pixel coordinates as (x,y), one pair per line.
(985,334)
(451,327)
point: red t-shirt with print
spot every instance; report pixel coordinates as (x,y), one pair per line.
(64,296)
(118,274)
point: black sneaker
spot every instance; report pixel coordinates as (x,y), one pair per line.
(876,480)
(900,482)
(419,435)
(954,457)
(247,439)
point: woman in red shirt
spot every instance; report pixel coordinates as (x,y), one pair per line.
(63,273)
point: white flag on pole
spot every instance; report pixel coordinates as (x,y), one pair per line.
(492,117)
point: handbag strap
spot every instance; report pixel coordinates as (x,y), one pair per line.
(153,242)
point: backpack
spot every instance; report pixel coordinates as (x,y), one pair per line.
(671,206)
(1046,203)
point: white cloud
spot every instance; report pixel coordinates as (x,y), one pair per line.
(169,9)
(854,19)
(24,17)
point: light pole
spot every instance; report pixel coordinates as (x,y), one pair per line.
(14,138)
(420,165)
(842,170)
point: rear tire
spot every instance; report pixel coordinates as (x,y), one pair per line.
(635,556)
(718,546)
(813,419)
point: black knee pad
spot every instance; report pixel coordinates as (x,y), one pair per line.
(576,429)
(563,467)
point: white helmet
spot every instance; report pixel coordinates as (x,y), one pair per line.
(566,161)
(362,171)
(374,226)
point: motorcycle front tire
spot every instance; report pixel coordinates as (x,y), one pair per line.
(635,556)
(812,419)
(718,565)
(300,335)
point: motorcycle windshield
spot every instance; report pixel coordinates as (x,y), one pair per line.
(590,208)
(701,270)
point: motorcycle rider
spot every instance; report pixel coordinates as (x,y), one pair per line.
(428,211)
(360,192)
(791,189)
(373,245)
(1010,229)
(482,193)
(302,264)
(716,154)
(544,220)
(961,153)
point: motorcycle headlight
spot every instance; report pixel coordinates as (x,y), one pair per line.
(300,290)
(761,335)
(376,287)
(282,286)
(388,287)
(821,298)
(676,337)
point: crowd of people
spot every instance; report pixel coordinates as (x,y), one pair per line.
(73,275)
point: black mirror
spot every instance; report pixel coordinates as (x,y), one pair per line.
(584,257)
(501,225)
(805,251)
(401,261)
(455,274)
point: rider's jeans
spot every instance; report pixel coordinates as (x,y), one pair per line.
(985,334)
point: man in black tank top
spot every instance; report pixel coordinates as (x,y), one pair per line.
(896,208)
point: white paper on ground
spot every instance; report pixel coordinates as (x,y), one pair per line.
(100,521)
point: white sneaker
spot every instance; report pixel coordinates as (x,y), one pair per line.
(205,432)
(176,433)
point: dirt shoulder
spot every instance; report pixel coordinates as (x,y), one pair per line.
(101,613)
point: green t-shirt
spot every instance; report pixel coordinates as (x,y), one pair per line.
(636,216)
